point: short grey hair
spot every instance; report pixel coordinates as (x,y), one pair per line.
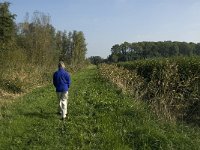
(61,64)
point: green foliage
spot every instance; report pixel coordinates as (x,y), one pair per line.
(96,60)
(100,117)
(144,50)
(30,51)
(170,86)
(73,49)
(7,25)
(36,39)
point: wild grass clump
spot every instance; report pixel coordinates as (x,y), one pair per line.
(15,80)
(170,86)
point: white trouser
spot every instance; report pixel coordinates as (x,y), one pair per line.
(63,97)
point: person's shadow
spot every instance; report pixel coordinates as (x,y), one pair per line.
(42,115)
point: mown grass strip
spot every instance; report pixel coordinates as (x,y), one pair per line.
(100,117)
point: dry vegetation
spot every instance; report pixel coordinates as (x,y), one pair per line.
(171,87)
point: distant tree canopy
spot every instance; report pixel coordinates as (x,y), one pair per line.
(142,50)
(96,60)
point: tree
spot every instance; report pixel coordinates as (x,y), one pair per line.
(125,48)
(174,50)
(144,50)
(68,48)
(73,48)
(96,60)
(37,38)
(197,49)
(115,53)
(7,25)
(185,49)
(78,48)
(7,32)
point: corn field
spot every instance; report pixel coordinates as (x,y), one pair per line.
(169,86)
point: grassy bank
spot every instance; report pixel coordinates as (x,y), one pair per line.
(100,117)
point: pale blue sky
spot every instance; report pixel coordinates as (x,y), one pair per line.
(109,22)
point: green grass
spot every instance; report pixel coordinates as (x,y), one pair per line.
(100,117)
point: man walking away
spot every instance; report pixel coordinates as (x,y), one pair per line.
(62,81)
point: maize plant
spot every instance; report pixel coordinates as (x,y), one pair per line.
(169,86)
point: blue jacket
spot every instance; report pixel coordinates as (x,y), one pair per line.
(61,80)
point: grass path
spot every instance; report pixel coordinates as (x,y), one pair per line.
(100,117)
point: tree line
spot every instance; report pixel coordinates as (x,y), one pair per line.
(35,46)
(144,50)
(37,41)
